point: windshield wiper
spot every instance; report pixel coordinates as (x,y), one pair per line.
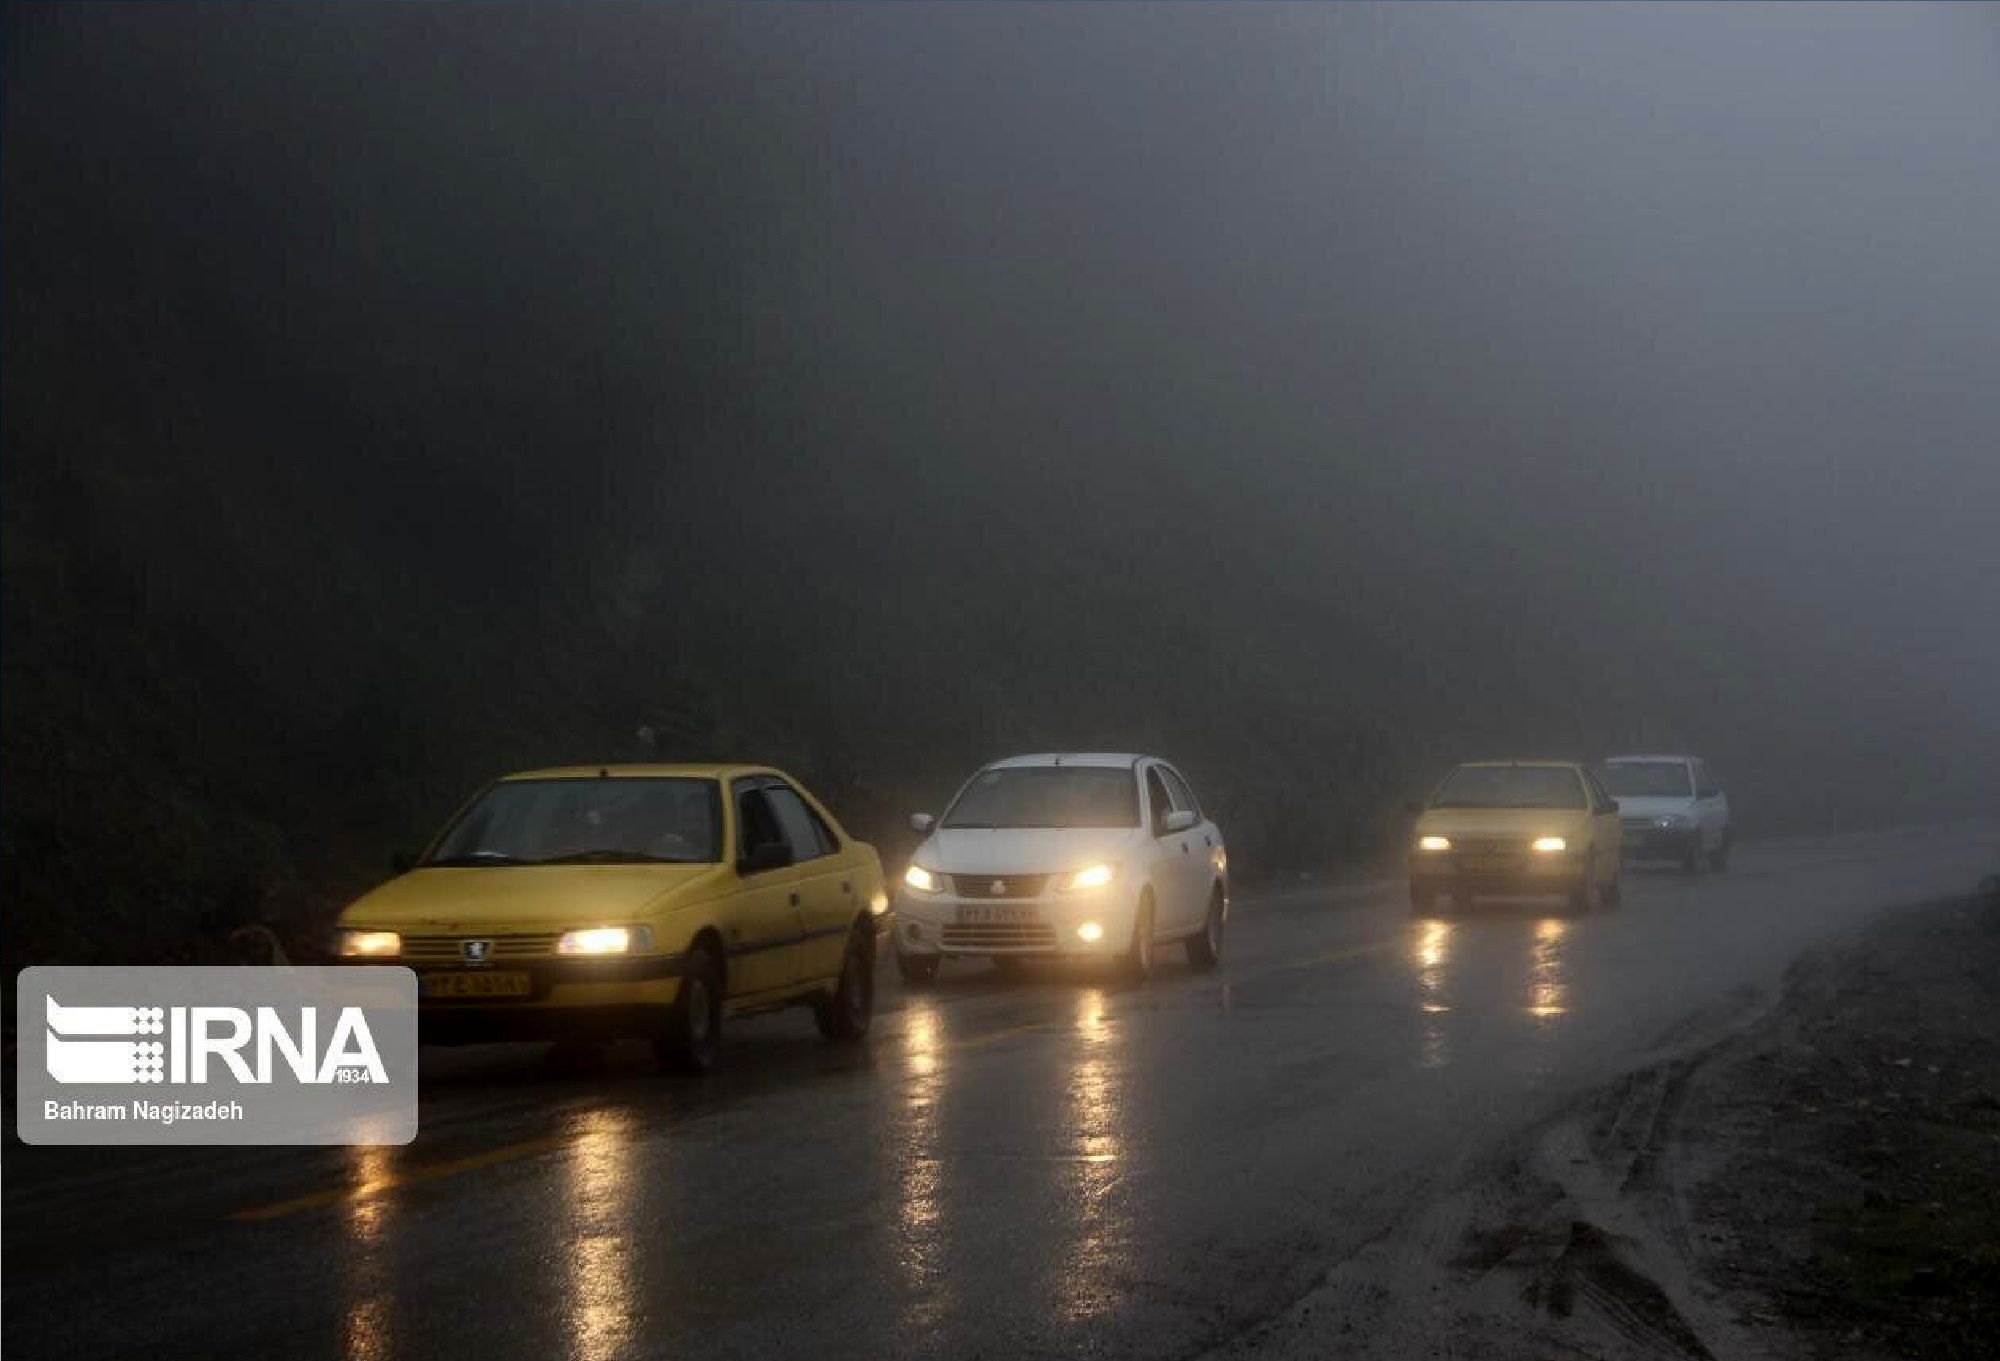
(614,858)
(476,858)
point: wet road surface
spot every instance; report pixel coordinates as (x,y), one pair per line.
(1059,1165)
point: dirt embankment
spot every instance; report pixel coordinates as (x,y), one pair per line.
(1841,1165)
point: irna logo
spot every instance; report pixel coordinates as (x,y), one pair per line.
(254,1045)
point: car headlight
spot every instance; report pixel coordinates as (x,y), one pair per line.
(923,880)
(370,944)
(1433,843)
(1086,879)
(1550,845)
(605,940)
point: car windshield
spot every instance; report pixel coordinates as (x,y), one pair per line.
(1509,787)
(1647,779)
(1048,796)
(604,821)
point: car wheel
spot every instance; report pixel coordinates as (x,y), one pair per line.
(1139,954)
(1586,896)
(846,1013)
(1718,859)
(917,970)
(1204,948)
(694,1022)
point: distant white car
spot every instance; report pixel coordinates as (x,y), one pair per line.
(1670,808)
(1070,854)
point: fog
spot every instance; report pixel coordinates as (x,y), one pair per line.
(1317,396)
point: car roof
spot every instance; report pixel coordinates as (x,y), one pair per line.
(1072,758)
(1662,756)
(694,770)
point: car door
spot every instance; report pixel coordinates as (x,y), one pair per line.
(1171,854)
(762,926)
(1710,806)
(1606,830)
(1197,847)
(825,884)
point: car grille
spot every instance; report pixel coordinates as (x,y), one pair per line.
(999,885)
(1001,936)
(504,947)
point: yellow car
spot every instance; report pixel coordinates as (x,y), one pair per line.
(632,900)
(1517,827)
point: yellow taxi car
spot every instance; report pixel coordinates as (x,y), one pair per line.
(636,900)
(1517,827)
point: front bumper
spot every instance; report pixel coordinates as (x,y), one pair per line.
(1525,873)
(951,927)
(1660,843)
(565,998)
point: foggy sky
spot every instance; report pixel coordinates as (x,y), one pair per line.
(1553,377)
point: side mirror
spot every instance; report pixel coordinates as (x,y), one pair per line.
(765,855)
(402,862)
(1177,821)
(922,823)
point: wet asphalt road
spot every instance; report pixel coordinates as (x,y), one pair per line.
(1062,1165)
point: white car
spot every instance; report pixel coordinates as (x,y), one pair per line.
(1065,855)
(1670,808)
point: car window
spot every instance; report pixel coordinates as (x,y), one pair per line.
(1183,796)
(1647,779)
(1047,796)
(1705,786)
(575,821)
(1157,796)
(809,837)
(756,821)
(1509,787)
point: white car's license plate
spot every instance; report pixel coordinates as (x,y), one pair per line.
(996,916)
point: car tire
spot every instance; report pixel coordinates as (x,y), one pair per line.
(844,1015)
(1137,964)
(1204,947)
(1718,859)
(1585,897)
(693,1031)
(918,971)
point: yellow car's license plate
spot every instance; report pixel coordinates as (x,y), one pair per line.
(477,985)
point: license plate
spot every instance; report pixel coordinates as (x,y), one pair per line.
(477,985)
(996,916)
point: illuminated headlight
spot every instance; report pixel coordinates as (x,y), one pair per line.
(878,902)
(1090,931)
(605,940)
(370,944)
(1550,845)
(923,880)
(1433,843)
(1087,878)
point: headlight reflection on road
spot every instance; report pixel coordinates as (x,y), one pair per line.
(1548,984)
(1430,953)
(601,1274)
(366,1330)
(920,1165)
(1094,1116)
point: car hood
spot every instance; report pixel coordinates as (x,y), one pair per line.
(478,897)
(1024,850)
(1527,823)
(1654,805)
